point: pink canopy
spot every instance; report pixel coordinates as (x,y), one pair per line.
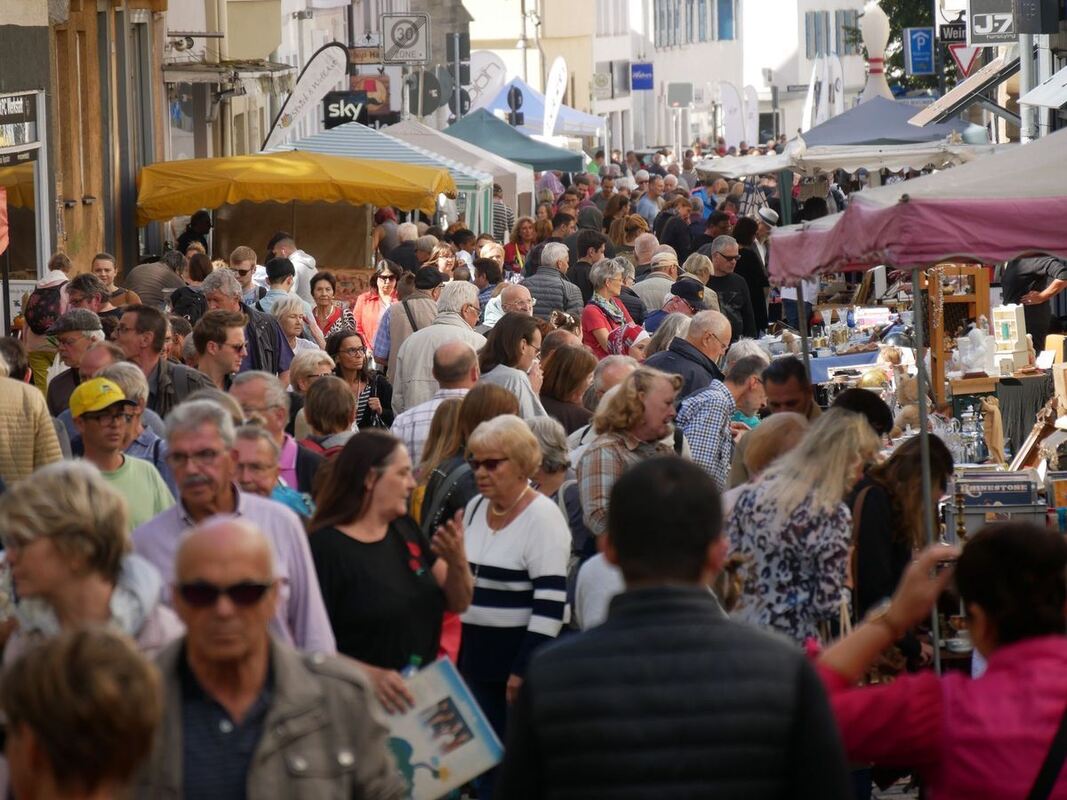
(992,209)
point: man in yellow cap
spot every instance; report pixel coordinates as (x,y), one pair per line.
(102,414)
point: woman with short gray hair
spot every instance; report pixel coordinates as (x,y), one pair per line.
(292,316)
(605,311)
(65,539)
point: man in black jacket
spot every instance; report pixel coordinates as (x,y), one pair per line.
(668,698)
(141,333)
(694,357)
(268,349)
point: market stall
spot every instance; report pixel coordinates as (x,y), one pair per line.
(481,128)
(515,179)
(313,196)
(474,186)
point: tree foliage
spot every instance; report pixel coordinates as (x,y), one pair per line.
(912,14)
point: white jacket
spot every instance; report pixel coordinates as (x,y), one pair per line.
(413,381)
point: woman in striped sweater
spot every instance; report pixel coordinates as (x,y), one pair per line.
(517,544)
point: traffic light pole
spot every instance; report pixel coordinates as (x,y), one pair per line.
(454,57)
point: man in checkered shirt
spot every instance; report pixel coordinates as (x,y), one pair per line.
(455,368)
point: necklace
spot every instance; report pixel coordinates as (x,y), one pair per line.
(510,508)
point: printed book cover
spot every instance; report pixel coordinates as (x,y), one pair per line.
(444,740)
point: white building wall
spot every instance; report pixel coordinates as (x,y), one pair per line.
(783,36)
(613,47)
(687,42)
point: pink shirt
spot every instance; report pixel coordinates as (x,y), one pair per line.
(969,739)
(287,461)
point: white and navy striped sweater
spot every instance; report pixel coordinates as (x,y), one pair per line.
(520,587)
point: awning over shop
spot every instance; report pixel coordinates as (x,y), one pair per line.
(570,122)
(879,122)
(969,91)
(174,188)
(358,141)
(481,128)
(957,213)
(515,179)
(1052,93)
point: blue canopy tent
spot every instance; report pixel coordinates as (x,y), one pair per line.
(492,134)
(880,122)
(570,122)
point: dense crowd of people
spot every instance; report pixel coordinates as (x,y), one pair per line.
(563,429)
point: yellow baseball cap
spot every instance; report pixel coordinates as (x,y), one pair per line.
(96,394)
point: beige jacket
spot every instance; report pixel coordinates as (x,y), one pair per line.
(423,310)
(322,738)
(27,436)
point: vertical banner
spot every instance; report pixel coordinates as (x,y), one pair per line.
(751,116)
(555,88)
(733,117)
(822,91)
(325,71)
(808,113)
(837,86)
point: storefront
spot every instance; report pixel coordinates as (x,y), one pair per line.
(24,177)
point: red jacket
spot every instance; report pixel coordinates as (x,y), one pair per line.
(969,739)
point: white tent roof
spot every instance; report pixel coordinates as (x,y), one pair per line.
(514,179)
(817,160)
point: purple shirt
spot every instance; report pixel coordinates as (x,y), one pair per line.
(300,619)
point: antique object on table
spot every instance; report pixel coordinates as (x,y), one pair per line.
(1053,451)
(1009,330)
(993,429)
(946,313)
(972,433)
(1028,455)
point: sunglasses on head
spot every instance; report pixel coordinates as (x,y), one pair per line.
(201,594)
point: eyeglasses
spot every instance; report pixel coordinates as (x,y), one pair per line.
(69,342)
(201,458)
(724,345)
(257,469)
(490,464)
(320,375)
(201,594)
(387,277)
(729,258)
(237,348)
(114,418)
(353,351)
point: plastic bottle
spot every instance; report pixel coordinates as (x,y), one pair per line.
(412,668)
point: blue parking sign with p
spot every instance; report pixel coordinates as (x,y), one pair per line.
(919,46)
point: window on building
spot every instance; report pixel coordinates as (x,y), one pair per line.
(702,20)
(809,35)
(820,34)
(725,18)
(660,22)
(848,33)
(622,17)
(676,23)
(689,28)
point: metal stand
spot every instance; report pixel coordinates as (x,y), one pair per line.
(802,323)
(924,443)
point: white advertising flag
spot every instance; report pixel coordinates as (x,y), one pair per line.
(326,70)
(733,117)
(555,88)
(751,116)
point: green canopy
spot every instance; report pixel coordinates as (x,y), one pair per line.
(486,131)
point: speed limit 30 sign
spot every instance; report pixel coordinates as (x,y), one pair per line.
(405,38)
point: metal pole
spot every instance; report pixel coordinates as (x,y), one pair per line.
(802,323)
(1027,128)
(924,443)
(458,85)
(1044,72)
(7,294)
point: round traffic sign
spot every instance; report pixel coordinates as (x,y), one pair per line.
(404,34)
(464,100)
(431,97)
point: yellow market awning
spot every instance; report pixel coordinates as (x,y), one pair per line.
(178,188)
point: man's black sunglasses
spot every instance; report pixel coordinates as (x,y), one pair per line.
(201,594)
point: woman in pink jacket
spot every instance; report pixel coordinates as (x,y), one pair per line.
(984,738)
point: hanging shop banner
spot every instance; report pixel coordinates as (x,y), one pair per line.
(325,71)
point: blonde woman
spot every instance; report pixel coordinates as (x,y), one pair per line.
(794,527)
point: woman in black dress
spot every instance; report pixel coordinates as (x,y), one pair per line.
(384,583)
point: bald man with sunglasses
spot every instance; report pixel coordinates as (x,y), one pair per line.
(244,714)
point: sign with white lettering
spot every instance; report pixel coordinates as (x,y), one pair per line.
(991,22)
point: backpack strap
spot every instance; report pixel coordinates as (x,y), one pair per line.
(561,497)
(1051,767)
(440,497)
(411,317)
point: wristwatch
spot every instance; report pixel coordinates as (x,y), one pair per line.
(879,615)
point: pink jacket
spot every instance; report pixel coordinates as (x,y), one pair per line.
(969,739)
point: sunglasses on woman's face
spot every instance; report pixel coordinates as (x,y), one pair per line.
(490,464)
(201,594)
